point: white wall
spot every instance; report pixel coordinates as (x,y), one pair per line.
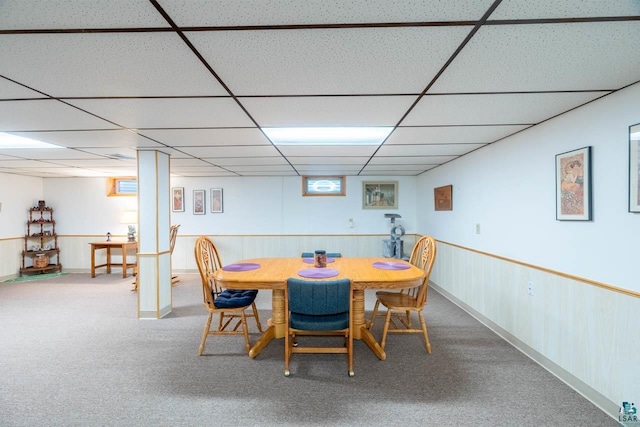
(17,195)
(509,189)
(577,327)
(252,206)
(275,205)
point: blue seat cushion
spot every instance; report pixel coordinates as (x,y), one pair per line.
(327,322)
(233,298)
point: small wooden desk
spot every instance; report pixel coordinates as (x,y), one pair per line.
(124,246)
(274,272)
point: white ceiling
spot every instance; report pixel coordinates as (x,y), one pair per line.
(197,79)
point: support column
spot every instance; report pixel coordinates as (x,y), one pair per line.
(154,218)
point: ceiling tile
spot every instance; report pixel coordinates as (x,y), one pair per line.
(11,90)
(106,64)
(548,9)
(113,138)
(60,14)
(239,161)
(294,12)
(331,150)
(426,150)
(46,115)
(411,160)
(545,57)
(239,151)
(451,134)
(167,112)
(503,109)
(328,111)
(329,61)
(207,137)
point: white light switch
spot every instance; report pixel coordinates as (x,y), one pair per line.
(477,228)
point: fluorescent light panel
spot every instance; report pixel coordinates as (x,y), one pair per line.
(328,135)
(9,141)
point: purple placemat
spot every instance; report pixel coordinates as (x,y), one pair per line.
(311,260)
(241,266)
(388,265)
(318,273)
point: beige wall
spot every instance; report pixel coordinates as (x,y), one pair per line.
(585,334)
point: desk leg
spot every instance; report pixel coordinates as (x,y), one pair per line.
(124,261)
(108,259)
(93,261)
(360,331)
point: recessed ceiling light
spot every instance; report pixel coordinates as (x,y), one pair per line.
(9,141)
(328,135)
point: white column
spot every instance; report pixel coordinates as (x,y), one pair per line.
(154,216)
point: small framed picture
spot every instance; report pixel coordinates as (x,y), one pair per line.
(634,168)
(216,200)
(199,205)
(442,198)
(380,195)
(177,199)
(573,185)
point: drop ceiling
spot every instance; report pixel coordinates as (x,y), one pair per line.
(199,79)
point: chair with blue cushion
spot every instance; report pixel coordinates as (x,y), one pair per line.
(229,304)
(318,308)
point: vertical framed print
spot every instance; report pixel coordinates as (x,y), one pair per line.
(573,185)
(199,202)
(634,168)
(442,198)
(177,199)
(216,200)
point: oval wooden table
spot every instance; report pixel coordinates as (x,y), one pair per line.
(274,272)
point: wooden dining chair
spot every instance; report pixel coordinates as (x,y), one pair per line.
(318,308)
(401,304)
(228,304)
(173,233)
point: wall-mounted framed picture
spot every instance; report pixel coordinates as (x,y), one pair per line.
(442,198)
(634,168)
(177,199)
(380,195)
(199,205)
(216,200)
(573,185)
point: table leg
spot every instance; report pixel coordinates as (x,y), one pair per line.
(276,328)
(93,261)
(124,261)
(108,259)
(360,331)
(358,312)
(371,342)
(262,342)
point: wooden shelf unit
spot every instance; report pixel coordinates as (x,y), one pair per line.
(41,240)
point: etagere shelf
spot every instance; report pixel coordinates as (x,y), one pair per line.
(41,253)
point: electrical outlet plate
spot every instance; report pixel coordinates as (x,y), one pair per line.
(530,288)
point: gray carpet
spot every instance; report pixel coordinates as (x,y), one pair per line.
(73,353)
